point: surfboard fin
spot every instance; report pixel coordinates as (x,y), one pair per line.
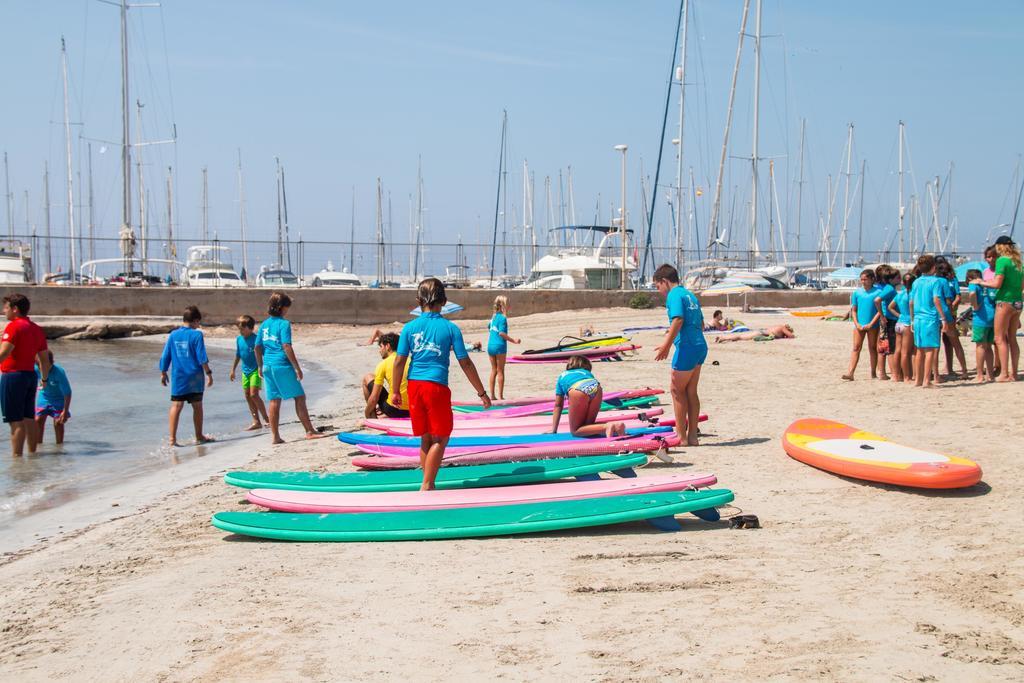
(625,473)
(593,476)
(708,515)
(665,523)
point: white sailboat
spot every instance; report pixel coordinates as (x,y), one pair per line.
(584,257)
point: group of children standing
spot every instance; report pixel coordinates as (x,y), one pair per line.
(904,328)
(267,359)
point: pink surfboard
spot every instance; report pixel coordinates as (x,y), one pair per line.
(404,425)
(529,360)
(396,501)
(529,400)
(519,430)
(482,455)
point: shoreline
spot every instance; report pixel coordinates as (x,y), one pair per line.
(124,498)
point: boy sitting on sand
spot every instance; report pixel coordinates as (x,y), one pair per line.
(53,400)
(377,384)
(185,356)
(245,353)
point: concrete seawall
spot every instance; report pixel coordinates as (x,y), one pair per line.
(363,306)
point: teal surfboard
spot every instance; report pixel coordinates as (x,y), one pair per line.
(378,439)
(658,508)
(469,476)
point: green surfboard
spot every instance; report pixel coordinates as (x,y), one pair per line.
(658,508)
(469,476)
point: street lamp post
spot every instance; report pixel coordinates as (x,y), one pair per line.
(622,211)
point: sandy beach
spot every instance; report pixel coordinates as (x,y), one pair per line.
(845,581)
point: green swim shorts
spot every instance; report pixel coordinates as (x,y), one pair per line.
(983,335)
(251,380)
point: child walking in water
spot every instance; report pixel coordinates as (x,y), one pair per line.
(245,353)
(279,368)
(865,315)
(497,346)
(982,331)
(53,400)
(584,393)
(686,331)
(426,344)
(185,356)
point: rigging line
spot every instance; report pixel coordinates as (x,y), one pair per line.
(661,144)
(1016,209)
(497,199)
(167,65)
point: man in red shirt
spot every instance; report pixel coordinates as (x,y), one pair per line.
(22,345)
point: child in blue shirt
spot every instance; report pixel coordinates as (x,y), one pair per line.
(927,319)
(900,306)
(53,400)
(497,346)
(686,331)
(982,327)
(886,279)
(426,344)
(245,353)
(866,316)
(279,368)
(185,356)
(584,393)
(950,305)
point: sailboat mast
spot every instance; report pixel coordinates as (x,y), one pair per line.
(9,198)
(92,212)
(419,221)
(142,190)
(900,208)
(752,244)
(860,226)
(497,199)
(380,236)
(284,214)
(352,236)
(67,147)
(681,77)
(172,250)
(241,217)
(846,195)
(46,206)
(206,208)
(127,237)
(280,229)
(713,238)
(800,185)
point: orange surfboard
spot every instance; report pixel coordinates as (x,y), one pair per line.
(811,314)
(850,452)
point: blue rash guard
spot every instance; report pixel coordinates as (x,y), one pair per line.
(496,344)
(578,379)
(887,293)
(863,302)
(245,351)
(903,304)
(273,334)
(184,355)
(985,314)
(691,346)
(428,342)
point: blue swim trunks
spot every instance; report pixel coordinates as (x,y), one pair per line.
(927,333)
(50,410)
(281,382)
(689,356)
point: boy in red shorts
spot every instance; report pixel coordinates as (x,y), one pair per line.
(427,343)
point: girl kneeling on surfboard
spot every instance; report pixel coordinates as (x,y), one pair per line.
(584,393)
(427,343)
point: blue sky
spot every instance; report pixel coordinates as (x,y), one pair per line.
(345,92)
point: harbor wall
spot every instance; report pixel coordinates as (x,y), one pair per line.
(365,306)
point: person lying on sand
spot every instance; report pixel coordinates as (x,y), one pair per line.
(763,334)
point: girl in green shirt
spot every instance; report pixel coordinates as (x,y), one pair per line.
(1007,282)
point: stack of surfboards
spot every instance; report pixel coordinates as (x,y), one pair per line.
(509,480)
(598,349)
(472,501)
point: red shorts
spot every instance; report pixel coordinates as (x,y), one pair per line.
(430,407)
